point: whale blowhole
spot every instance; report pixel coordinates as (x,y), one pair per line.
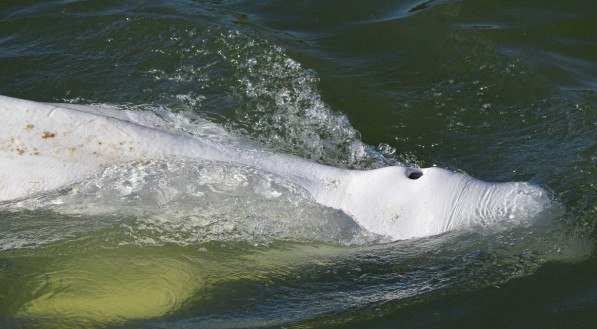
(414,174)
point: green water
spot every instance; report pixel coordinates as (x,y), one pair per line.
(503,91)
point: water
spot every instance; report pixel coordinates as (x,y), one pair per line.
(502,91)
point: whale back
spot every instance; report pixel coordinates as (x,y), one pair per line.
(45,146)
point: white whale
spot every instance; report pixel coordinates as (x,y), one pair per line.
(46,146)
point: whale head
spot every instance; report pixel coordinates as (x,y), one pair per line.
(403,202)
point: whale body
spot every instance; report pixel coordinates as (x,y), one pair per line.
(46,146)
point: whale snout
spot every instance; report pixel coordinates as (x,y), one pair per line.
(434,200)
(484,203)
(517,201)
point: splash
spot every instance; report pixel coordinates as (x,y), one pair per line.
(276,101)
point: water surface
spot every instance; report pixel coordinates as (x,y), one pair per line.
(503,91)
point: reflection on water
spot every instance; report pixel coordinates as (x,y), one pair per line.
(100,278)
(109,286)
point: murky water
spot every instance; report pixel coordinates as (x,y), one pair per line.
(502,91)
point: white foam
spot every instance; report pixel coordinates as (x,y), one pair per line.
(191,202)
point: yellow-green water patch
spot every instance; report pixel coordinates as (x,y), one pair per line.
(113,286)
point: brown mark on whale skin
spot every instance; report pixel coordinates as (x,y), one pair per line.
(29,126)
(48,134)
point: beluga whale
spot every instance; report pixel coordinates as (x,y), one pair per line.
(45,146)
